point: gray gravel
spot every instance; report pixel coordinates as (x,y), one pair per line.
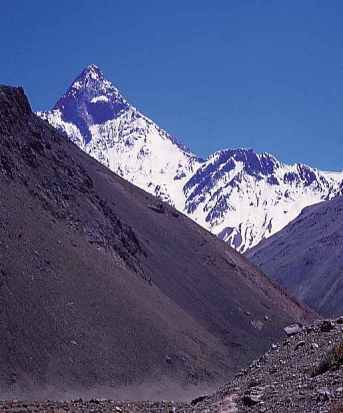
(282,379)
(290,377)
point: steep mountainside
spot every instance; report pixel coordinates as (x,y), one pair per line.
(241,196)
(103,287)
(306,256)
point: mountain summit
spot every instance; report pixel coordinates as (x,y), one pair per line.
(96,117)
(239,195)
(90,100)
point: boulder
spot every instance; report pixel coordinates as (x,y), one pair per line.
(324,394)
(326,326)
(293,329)
(299,344)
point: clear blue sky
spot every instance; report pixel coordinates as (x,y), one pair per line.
(262,74)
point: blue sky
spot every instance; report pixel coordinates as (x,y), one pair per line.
(261,74)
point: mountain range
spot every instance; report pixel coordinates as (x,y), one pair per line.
(237,194)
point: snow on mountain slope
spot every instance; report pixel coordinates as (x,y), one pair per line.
(244,197)
(241,196)
(98,118)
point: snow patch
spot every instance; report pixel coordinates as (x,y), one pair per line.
(101,98)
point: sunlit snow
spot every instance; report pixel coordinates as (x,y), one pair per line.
(237,194)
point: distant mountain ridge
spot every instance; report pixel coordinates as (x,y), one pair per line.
(306,256)
(245,197)
(239,195)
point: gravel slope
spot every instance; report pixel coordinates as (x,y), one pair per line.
(105,291)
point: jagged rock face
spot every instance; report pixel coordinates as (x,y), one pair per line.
(239,195)
(306,256)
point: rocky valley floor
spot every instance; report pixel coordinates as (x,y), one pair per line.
(94,406)
(303,373)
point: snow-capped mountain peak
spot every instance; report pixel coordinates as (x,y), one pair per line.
(90,73)
(90,100)
(91,82)
(97,117)
(238,194)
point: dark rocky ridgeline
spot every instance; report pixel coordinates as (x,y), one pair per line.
(106,292)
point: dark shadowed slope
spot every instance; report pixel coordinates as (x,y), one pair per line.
(101,286)
(307,256)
